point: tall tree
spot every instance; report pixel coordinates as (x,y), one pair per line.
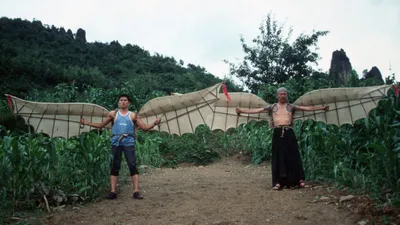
(273,59)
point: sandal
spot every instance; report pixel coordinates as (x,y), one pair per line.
(277,187)
(302,184)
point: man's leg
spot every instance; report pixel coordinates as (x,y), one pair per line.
(115,167)
(130,155)
(135,182)
(275,159)
(280,158)
(114,181)
(295,165)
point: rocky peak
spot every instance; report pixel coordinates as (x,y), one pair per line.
(374,73)
(341,68)
(81,35)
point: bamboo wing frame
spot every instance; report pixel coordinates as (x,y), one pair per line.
(58,119)
(183,113)
(346,105)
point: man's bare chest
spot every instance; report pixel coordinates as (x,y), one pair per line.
(282,113)
(283,109)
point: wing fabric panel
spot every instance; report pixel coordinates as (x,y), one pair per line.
(185,112)
(182,114)
(58,119)
(346,105)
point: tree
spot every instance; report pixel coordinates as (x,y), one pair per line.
(273,59)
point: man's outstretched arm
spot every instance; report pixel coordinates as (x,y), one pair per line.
(312,108)
(148,126)
(250,111)
(98,125)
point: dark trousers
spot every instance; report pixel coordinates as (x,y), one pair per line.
(130,156)
(287,168)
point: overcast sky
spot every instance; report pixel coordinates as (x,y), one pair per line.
(205,32)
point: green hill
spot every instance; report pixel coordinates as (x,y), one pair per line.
(37,56)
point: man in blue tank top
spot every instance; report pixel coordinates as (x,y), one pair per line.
(123,140)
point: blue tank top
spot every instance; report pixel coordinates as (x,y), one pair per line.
(123,125)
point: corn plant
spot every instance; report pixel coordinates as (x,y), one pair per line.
(148,152)
(364,156)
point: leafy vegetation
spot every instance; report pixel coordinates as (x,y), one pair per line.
(36,56)
(44,63)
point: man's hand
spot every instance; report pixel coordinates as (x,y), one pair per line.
(238,111)
(157,121)
(83,121)
(325,108)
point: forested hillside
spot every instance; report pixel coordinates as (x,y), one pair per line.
(37,56)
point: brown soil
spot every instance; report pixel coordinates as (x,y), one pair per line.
(228,192)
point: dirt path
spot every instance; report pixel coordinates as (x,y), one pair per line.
(228,192)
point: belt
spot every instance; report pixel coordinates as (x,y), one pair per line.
(122,136)
(284,127)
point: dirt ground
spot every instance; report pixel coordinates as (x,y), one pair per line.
(229,192)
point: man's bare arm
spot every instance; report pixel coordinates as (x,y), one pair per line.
(108,119)
(148,126)
(312,108)
(249,111)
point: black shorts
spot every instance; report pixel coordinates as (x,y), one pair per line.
(130,156)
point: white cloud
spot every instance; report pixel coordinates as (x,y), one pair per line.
(207,32)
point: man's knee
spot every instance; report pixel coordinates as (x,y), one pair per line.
(134,171)
(131,161)
(130,156)
(114,172)
(115,167)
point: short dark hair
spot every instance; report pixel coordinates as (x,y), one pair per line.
(126,96)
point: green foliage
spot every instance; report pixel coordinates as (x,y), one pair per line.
(364,156)
(316,81)
(197,148)
(253,139)
(295,87)
(274,58)
(40,57)
(148,152)
(34,166)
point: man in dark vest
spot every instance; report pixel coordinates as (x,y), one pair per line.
(123,140)
(287,168)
